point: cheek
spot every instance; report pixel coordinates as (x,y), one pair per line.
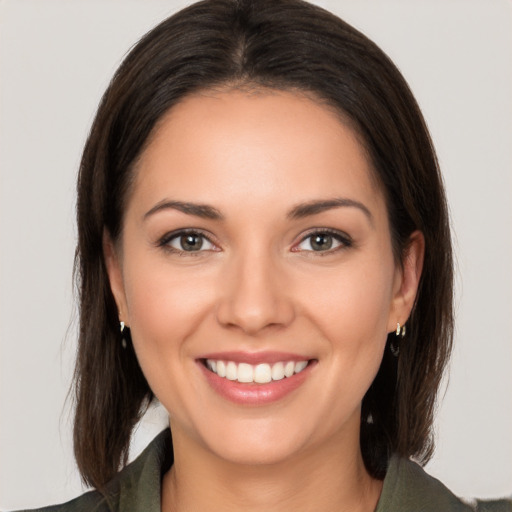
(160,296)
(351,310)
(351,304)
(165,309)
(165,306)
(351,313)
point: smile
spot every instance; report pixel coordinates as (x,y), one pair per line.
(262,373)
(255,379)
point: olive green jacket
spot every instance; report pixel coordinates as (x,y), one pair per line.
(407,488)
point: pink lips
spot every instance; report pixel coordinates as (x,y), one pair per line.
(255,357)
(253,394)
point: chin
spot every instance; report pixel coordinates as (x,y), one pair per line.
(257,452)
(257,441)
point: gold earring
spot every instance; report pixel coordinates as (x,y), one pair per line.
(394,346)
(123,337)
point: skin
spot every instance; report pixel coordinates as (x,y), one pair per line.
(259,286)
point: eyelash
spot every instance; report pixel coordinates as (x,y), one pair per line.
(343,239)
(165,241)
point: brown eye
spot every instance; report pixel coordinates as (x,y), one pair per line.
(323,241)
(189,242)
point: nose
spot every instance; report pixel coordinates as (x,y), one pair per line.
(254,297)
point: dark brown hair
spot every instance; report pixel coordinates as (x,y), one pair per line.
(279,44)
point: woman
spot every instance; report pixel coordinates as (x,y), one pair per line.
(264,247)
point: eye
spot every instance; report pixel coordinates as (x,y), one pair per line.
(187,241)
(323,241)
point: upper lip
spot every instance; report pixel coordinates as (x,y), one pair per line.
(269,357)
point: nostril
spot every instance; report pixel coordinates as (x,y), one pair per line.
(253,305)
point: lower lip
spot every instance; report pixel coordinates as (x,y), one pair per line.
(255,394)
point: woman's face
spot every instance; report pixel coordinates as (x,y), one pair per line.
(256,244)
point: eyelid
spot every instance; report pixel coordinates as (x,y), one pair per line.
(164,240)
(343,238)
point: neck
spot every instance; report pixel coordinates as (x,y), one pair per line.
(331,477)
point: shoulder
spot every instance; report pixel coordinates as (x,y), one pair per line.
(91,501)
(408,487)
(135,488)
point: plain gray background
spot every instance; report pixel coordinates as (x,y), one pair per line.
(56,58)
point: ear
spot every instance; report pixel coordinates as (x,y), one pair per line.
(115,276)
(407,280)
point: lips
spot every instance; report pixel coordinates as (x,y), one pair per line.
(255,379)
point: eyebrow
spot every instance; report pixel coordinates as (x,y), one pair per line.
(314,207)
(297,212)
(199,210)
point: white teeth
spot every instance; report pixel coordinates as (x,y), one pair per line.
(221,369)
(300,366)
(245,373)
(278,371)
(289,369)
(231,371)
(261,373)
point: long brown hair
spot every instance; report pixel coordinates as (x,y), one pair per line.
(279,44)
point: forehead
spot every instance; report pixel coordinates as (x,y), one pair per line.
(254,144)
